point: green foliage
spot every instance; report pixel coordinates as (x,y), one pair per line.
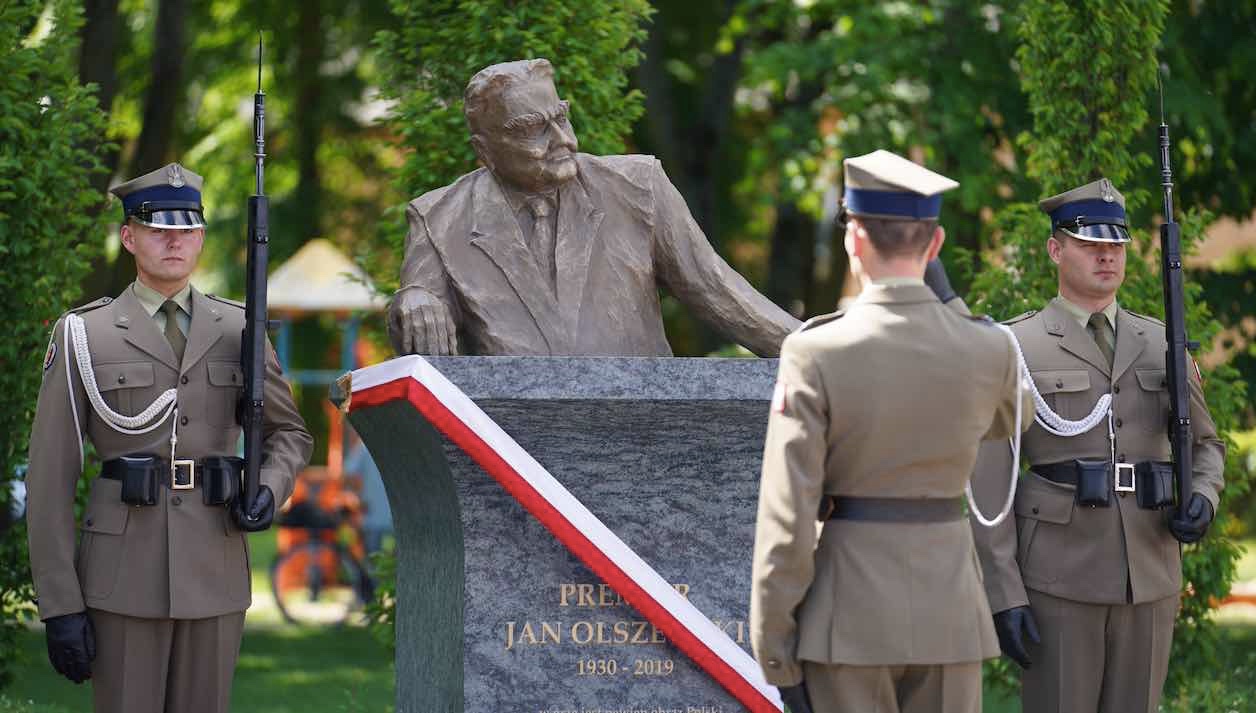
(439,45)
(829,79)
(1085,100)
(46,236)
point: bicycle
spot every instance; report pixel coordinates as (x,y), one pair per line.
(318,577)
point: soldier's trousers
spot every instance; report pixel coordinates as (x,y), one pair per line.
(943,688)
(164,665)
(1097,658)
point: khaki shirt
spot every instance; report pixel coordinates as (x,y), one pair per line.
(890,400)
(180,558)
(1113,555)
(152,300)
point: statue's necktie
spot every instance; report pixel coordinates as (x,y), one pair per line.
(173,335)
(542,246)
(1100,330)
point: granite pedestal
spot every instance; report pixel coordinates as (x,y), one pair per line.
(493,614)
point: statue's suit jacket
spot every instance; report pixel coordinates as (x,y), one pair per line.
(890,400)
(623,231)
(178,559)
(1115,555)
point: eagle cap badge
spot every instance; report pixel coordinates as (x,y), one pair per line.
(174,176)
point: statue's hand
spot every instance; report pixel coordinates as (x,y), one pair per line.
(419,323)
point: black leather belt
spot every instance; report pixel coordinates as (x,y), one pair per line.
(200,468)
(918,510)
(1062,473)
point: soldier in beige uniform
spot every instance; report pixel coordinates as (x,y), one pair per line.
(873,429)
(150,603)
(1085,582)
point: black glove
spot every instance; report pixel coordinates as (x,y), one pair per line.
(260,516)
(1009,624)
(936,279)
(795,698)
(71,645)
(1192,527)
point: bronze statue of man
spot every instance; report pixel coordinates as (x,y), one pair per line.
(546,251)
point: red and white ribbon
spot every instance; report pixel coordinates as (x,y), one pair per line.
(414,380)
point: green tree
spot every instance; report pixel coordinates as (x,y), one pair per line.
(835,78)
(440,44)
(48,234)
(1086,69)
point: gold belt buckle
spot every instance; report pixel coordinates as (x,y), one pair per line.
(1128,469)
(183,474)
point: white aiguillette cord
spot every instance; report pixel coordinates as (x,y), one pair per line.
(1050,421)
(164,406)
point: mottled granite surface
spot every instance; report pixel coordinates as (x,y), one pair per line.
(665,451)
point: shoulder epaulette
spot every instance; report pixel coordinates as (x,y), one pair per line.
(91,305)
(1021,317)
(820,319)
(226,301)
(1153,320)
(980,318)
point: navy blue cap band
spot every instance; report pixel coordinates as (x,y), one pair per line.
(909,205)
(1090,208)
(159,193)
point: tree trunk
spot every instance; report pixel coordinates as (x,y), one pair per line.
(98,64)
(307,119)
(164,100)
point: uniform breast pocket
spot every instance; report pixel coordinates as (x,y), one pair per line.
(226,379)
(1066,391)
(125,384)
(1153,400)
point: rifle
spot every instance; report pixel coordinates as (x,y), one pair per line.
(1179,426)
(253,343)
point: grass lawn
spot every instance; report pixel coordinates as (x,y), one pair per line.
(288,669)
(282,668)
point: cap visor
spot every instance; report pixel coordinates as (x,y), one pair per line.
(174,219)
(1102,233)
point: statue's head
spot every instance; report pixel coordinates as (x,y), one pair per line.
(519,126)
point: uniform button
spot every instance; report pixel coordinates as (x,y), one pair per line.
(88,522)
(1116,389)
(1118,423)
(1034,509)
(1124,494)
(1121,457)
(121,378)
(176,500)
(183,420)
(183,379)
(1059,383)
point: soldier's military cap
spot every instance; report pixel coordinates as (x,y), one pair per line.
(169,197)
(885,185)
(1093,212)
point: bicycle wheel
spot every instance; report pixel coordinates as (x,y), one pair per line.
(319,583)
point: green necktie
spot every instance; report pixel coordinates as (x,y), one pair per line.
(173,335)
(1100,330)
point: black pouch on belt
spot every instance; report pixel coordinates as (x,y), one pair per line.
(1155,484)
(1094,483)
(139,479)
(220,479)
